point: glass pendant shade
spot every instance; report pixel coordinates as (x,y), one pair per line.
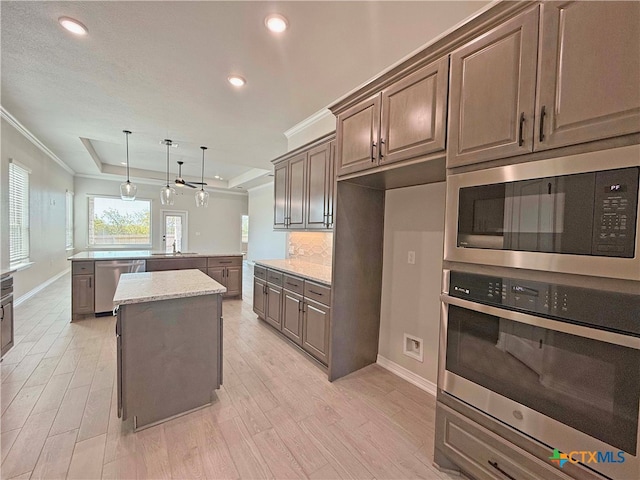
(127,189)
(202,198)
(167,195)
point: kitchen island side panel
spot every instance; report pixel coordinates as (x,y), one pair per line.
(171,353)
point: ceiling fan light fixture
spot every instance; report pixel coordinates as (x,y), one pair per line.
(202,197)
(167,194)
(236,80)
(276,23)
(73,26)
(128,190)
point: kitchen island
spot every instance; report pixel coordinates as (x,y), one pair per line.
(169,336)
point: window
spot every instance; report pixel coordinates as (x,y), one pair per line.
(245,233)
(115,222)
(18,214)
(69,220)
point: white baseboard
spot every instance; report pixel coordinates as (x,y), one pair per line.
(39,288)
(408,375)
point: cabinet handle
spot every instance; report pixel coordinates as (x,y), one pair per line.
(292,284)
(90,282)
(495,465)
(373,145)
(314,292)
(543,112)
(2,317)
(380,152)
(521,131)
(225,261)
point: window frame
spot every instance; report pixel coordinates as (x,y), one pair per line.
(69,219)
(25,244)
(118,246)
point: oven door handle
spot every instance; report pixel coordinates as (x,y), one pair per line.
(569,328)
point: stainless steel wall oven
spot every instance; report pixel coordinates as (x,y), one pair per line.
(575,214)
(557,362)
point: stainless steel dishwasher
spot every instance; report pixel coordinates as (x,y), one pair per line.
(107,276)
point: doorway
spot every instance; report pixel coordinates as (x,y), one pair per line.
(174,231)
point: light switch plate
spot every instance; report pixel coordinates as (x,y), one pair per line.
(411,258)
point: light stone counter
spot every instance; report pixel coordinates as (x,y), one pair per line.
(312,271)
(140,255)
(153,286)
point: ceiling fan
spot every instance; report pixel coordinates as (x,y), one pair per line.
(180,182)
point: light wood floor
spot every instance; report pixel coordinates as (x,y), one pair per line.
(276,416)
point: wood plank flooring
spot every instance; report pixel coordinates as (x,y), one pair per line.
(276,415)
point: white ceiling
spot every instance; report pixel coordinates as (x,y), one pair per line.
(160,69)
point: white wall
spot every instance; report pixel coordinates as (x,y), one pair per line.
(324,124)
(264,242)
(414,220)
(48,184)
(215,229)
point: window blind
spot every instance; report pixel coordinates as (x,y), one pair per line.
(18,214)
(69,220)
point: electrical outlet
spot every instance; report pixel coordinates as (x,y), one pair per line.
(411,258)
(413,347)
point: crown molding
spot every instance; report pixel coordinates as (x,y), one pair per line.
(13,121)
(307,122)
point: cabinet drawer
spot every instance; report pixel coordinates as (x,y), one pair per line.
(293,284)
(484,454)
(274,277)
(157,265)
(317,292)
(82,268)
(260,272)
(223,261)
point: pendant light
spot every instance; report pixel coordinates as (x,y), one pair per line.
(202,197)
(127,189)
(168,193)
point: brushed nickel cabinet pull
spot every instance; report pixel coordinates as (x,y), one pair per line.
(373,145)
(381,150)
(521,131)
(495,465)
(543,112)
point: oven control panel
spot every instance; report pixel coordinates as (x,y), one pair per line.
(615,210)
(619,312)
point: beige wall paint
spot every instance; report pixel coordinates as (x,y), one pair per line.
(48,184)
(219,225)
(324,125)
(414,220)
(264,242)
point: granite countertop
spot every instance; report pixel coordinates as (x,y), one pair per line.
(7,271)
(312,271)
(153,286)
(141,254)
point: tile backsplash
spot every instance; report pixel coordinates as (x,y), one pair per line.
(312,247)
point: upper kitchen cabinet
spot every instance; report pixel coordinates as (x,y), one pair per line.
(513,93)
(304,189)
(589,72)
(406,120)
(493,81)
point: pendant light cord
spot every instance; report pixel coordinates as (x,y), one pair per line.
(202,179)
(168,143)
(127,133)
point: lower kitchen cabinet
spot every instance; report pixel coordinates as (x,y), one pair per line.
(315,329)
(82,294)
(259,297)
(292,304)
(226,271)
(6,327)
(274,306)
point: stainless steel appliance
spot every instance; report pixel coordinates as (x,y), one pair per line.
(575,214)
(107,276)
(557,362)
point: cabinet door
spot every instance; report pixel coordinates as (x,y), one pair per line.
(315,330)
(331,184)
(274,306)
(297,190)
(318,191)
(589,72)
(357,132)
(82,293)
(6,328)
(280,185)
(233,279)
(259,297)
(493,81)
(217,273)
(414,112)
(292,316)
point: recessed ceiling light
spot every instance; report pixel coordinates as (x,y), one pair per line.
(236,80)
(73,25)
(276,23)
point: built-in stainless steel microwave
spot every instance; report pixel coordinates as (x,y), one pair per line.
(576,214)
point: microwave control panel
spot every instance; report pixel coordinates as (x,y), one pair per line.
(615,211)
(607,310)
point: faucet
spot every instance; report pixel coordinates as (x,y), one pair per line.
(174,246)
